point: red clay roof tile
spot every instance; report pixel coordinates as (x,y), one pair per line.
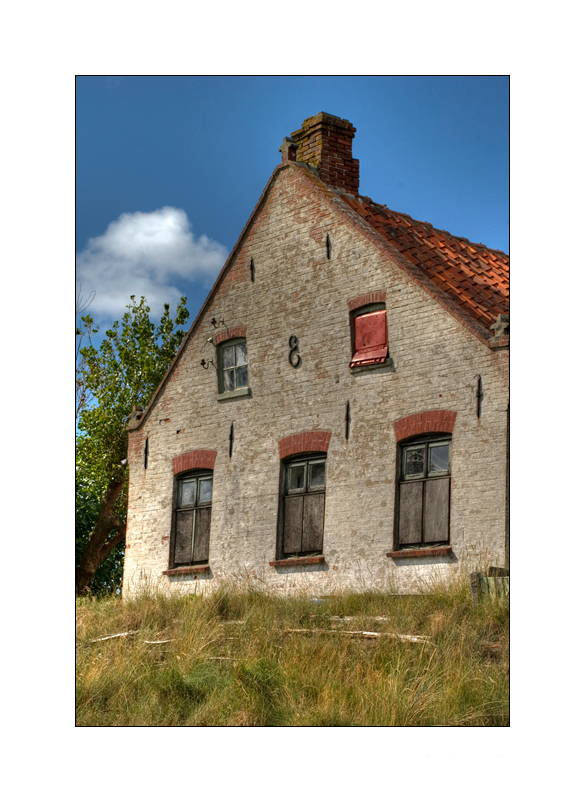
(475,278)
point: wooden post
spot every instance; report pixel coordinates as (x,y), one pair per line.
(475,587)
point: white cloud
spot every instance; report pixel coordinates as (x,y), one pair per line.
(146,253)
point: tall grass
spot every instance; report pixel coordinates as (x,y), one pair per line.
(268,676)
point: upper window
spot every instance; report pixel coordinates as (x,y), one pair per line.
(304,506)
(369,336)
(192,519)
(233,365)
(424,492)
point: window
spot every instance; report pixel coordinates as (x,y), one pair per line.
(303,506)
(233,366)
(192,519)
(424,492)
(369,336)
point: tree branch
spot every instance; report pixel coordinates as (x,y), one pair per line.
(111,544)
(98,546)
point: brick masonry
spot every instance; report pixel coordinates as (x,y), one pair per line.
(423,423)
(325,142)
(229,334)
(297,291)
(364,300)
(303,442)
(200,458)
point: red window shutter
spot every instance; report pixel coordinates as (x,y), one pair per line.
(371,342)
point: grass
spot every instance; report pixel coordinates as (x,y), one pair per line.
(270,677)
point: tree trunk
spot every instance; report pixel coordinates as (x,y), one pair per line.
(98,546)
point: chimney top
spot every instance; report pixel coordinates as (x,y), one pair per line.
(288,150)
(324,141)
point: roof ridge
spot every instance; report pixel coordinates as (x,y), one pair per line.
(426,223)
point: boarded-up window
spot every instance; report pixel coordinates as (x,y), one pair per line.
(303,506)
(424,493)
(193,519)
(370,339)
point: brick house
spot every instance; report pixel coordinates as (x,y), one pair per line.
(337,415)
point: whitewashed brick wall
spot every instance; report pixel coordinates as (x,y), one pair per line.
(297,291)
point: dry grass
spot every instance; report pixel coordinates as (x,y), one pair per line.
(270,677)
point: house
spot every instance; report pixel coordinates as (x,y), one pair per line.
(337,415)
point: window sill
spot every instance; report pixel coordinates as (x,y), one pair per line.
(318,558)
(187,569)
(233,393)
(439,551)
(388,364)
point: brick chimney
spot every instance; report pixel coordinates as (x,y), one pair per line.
(324,141)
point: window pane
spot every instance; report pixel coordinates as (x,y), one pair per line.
(187,493)
(414,461)
(241,354)
(205,489)
(229,378)
(439,458)
(317,474)
(228,356)
(242,376)
(296,477)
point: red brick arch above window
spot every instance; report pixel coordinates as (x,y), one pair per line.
(189,460)
(229,334)
(303,442)
(364,300)
(439,420)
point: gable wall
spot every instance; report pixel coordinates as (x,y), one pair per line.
(299,292)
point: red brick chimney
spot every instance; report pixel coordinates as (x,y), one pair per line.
(324,141)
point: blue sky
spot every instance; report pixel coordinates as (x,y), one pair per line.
(168,169)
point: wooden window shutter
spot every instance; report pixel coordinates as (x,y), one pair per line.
(193,519)
(424,492)
(313,520)
(183,535)
(436,527)
(304,506)
(304,518)
(201,539)
(371,340)
(293,524)
(411,508)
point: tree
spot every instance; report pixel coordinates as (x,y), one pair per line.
(81,334)
(124,372)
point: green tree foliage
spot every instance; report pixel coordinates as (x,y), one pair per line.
(124,372)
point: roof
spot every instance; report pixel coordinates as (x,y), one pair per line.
(475,278)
